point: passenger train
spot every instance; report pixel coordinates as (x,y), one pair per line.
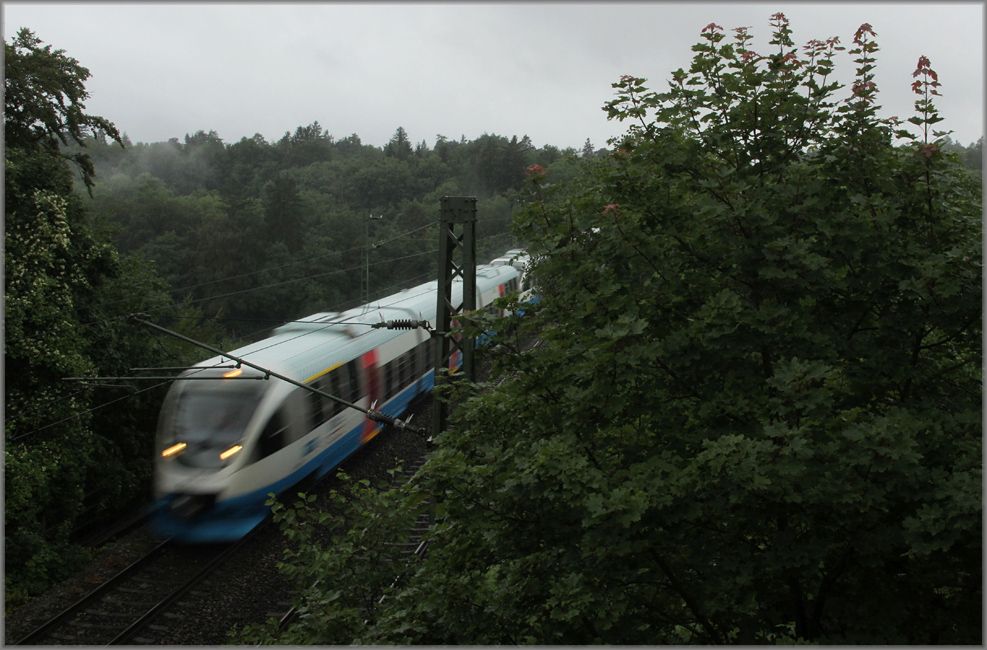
(224,445)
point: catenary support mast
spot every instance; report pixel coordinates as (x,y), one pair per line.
(457,231)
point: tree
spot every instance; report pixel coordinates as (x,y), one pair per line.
(974,157)
(309,144)
(61,322)
(44,91)
(754,415)
(283,211)
(399,145)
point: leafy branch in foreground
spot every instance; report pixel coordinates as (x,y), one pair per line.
(755,413)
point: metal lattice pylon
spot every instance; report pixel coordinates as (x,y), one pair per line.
(457,231)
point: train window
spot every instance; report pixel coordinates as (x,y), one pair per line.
(313,403)
(324,403)
(395,376)
(346,382)
(353,371)
(388,379)
(332,387)
(335,389)
(212,418)
(403,375)
(273,437)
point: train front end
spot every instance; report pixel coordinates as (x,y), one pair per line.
(201,444)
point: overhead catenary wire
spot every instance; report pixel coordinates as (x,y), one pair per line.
(296,262)
(327,273)
(149,388)
(372,413)
(369,307)
(269,286)
(349,304)
(300,261)
(143,390)
(80,414)
(302,278)
(334,323)
(307,277)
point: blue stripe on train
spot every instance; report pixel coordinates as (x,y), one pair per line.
(233,518)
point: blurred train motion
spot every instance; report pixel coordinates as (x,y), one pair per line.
(223,445)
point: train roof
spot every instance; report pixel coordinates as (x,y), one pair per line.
(292,348)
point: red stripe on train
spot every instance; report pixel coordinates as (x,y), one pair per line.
(370,372)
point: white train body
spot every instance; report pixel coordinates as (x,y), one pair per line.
(225,442)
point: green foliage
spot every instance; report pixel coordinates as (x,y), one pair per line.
(44,91)
(754,415)
(342,558)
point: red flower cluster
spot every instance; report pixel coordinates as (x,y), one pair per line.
(611,208)
(747,55)
(711,27)
(779,17)
(863,29)
(535,170)
(924,67)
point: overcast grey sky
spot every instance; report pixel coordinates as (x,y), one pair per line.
(541,69)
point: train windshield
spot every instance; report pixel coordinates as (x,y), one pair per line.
(211,420)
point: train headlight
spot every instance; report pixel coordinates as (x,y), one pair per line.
(173,450)
(235,449)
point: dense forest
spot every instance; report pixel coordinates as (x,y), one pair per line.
(278,230)
(754,416)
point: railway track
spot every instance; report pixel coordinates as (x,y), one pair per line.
(107,534)
(124,609)
(412,543)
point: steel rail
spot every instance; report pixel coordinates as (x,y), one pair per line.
(78,605)
(128,633)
